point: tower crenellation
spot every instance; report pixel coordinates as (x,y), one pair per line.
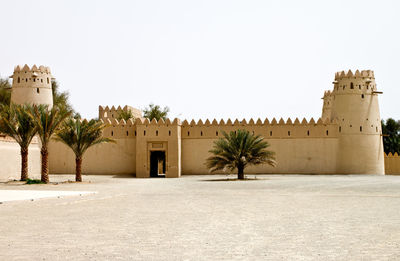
(32,85)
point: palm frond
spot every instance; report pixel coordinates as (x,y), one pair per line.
(80,135)
(239,149)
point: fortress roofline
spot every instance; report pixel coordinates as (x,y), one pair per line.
(25,68)
(349,74)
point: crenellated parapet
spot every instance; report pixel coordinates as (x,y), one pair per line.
(32,85)
(113,112)
(358,74)
(130,129)
(273,129)
(36,77)
(360,82)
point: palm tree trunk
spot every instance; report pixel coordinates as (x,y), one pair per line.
(45,164)
(78,169)
(24,164)
(240,172)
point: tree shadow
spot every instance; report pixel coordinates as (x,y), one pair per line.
(124,176)
(232,179)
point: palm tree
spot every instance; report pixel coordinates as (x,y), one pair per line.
(237,150)
(79,136)
(5,91)
(47,122)
(155,112)
(16,122)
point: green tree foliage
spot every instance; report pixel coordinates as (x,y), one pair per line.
(5,91)
(391,135)
(237,150)
(16,122)
(126,115)
(60,99)
(47,122)
(80,135)
(155,112)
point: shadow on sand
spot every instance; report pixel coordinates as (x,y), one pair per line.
(233,179)
(124,176)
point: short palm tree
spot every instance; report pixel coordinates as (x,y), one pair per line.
(47,122)
(237,150)
(16,122)
(80,135)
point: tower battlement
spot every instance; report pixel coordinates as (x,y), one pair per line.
(357,74)
(32,85)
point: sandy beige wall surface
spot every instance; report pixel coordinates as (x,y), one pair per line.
(310,156)
(392,164)
(10,160)
(110,158)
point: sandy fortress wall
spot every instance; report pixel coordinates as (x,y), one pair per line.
(346,139)
(10,159)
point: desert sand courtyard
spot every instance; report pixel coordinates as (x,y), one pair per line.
(276,217)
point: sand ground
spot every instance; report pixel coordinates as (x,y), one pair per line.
(277,217)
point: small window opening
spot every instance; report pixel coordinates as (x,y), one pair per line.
(37,90)
(216,133)
(34,80)
(351,85)
(308,133)
(26,80)
(41,80)
(127,133)
(19,80)
(362,96)
(359,87)
(188,133)
(112,133)
(135,133)
(156,132)
(344,87)
(288,133)
(144,133)
(360,128)
(169,133)
(201,133)
(48,81)
(327,133)
(112,115)
(340,128)
(367,87)
(351,125)
(270,133)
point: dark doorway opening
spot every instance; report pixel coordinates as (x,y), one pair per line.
(157,164)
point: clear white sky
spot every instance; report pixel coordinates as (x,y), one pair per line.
(205,59)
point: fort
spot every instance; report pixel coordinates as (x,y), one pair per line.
(346,139)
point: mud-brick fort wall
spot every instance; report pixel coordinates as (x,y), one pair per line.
(300,147)
(109,158)
(10,159)
(346,139)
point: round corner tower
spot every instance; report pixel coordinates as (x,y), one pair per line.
(32,85)
(354,103)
